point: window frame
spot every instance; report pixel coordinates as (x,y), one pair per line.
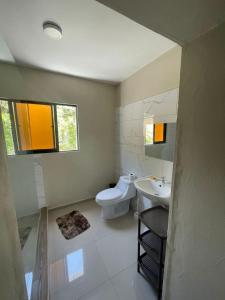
(15,134)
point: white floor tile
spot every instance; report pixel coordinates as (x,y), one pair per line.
(78,272)
(82,268)
(58,245)
(130,285)
(119,226)
(118,251)
(105,291)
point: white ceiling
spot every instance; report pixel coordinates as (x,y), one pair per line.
(97,42)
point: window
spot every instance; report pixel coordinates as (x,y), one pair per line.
(154,133)
(159,133)
(33,127)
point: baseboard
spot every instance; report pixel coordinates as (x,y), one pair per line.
(70,203)
(32,213)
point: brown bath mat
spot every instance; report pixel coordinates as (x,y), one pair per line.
(72,224)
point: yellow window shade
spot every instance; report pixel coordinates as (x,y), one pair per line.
(159,133)
(35,126)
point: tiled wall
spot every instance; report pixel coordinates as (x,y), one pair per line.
(130,151)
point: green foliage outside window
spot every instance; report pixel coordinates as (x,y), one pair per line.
(7,127)
(148,134)
(67,131)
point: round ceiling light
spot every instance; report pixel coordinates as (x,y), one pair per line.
(53,30)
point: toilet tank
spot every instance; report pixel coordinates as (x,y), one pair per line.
(126,186)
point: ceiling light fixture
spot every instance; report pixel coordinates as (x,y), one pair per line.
(52,30)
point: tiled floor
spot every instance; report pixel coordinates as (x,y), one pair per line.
(99,264)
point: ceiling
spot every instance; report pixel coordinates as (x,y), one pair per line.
(179,20)
(97,42)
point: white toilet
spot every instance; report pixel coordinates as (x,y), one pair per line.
(115,201)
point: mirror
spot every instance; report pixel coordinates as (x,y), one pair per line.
(159,139)
(160,116)
(28,234)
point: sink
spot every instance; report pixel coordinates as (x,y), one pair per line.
(154,188)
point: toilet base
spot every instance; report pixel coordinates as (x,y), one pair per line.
(115,211)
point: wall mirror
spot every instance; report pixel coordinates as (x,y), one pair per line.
(160,117)
(159,137)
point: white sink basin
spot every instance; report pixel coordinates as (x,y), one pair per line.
(154,188)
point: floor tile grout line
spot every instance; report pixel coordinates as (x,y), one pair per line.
(95,288)
(124,269)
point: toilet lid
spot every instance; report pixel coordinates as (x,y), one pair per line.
(109,195)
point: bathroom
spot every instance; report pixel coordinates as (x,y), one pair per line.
(104,210)
(52,180)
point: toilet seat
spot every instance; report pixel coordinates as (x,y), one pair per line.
(109,196)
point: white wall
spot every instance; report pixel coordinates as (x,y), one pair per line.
(161,75)
(196,246)
(72,176)
(159,79)
(11,276)
(130,135)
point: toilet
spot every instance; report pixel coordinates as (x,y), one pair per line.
(115,202)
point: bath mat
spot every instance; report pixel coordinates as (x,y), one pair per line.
(72,224)
(24,233)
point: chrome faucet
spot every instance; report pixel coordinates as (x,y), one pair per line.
(163,180)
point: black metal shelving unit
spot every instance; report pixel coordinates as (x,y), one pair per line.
(153,242)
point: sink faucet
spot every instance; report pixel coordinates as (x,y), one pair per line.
(163,180)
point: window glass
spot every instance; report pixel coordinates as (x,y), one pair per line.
(35,126)
(67,127)
(159,133)
(7,127)
(148,131)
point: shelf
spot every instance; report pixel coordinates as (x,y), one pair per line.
(150,270)
(156,219)
(151,243)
